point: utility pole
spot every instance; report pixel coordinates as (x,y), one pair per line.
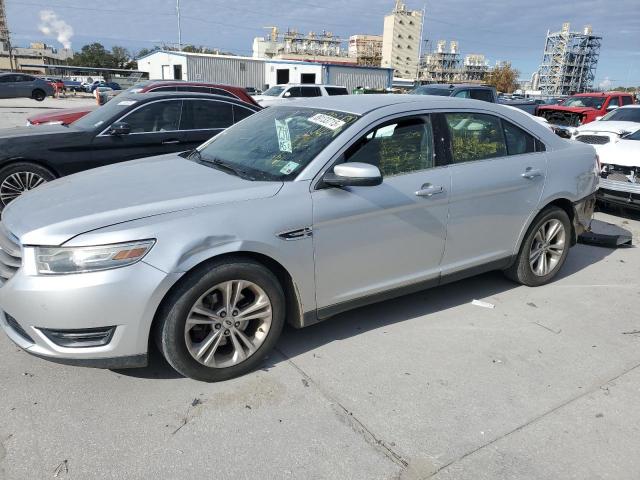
(179,26)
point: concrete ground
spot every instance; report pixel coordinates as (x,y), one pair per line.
(543,386)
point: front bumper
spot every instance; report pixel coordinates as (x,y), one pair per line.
(125,298)
(626,194)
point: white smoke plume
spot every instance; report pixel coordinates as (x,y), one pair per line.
(53,26)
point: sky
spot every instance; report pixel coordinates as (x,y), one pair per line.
(502,30)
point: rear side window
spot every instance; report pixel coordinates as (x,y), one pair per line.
(484,95)
(518,141)
(475,136)
(310,91)
(207,114)
(626,100)
(240,113)
(331,91)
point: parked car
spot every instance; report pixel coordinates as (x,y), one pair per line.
(20,85)
(485,93)
(67,116)
(283,93)
(73,86)
(131,126)
(111,85)
(296,214)
(581,109)
(57,83)
(611,127)
(620,177)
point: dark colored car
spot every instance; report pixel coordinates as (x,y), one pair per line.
(20,85)
(477,92)
(111,85)
(129,127)
(67,116)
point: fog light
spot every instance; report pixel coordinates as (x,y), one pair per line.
(88,337)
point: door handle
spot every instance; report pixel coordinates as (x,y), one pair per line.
(429,190)
(170,142)
(531,173)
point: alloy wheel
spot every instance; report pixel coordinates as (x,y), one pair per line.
(228,324)
(547,247)
(17,183)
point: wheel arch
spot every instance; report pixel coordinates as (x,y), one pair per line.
(41,163)
(294,314)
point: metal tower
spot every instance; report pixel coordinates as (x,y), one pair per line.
(5,42)
(569,62)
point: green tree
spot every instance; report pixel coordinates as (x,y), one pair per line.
(94,55)
(504,78)
(122,57)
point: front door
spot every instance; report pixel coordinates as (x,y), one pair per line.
(368,240)
(497,174)
(155,130)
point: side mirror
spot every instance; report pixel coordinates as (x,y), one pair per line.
(119,129)
(286,94)
(611,107)
(354,174)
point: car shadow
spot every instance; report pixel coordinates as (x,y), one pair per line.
(295,342)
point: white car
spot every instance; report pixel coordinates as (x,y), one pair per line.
(620,177)
(282,93)
(614,125)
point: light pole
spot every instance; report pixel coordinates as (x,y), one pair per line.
(179,26)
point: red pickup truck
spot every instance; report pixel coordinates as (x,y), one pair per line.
(583,108)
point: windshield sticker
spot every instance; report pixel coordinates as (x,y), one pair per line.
(289,167)
(326,121)
(127,102)
(284,138)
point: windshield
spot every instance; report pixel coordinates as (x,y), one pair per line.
(443,92)
(274,91)
(277,143)
(623,115)
(590,102)
(103,114)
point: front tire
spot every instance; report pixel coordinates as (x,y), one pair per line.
(19,178)
(221,320)
(544,249)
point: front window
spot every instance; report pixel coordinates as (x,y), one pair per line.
(276,144)
(103,114)
(274,91)
(589,102)
(623,115)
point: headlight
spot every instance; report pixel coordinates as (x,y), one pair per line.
(67,260)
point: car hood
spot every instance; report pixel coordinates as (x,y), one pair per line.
(560,108)
(14,142)
(621,152)
(610,127)
(60,210)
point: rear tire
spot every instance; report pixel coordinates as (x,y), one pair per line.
(21,177)
(203,341)
(544,249)
(39,95)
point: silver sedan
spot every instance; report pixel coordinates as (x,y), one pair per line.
(294,215)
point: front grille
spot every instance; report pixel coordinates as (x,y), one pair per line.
(13,323)
(593,139)
(10,254)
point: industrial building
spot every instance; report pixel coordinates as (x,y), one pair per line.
(401,41)
(366,49)
(259,73)
(569,62)
(446,65)
(5,41)
(34,58)
(293,45)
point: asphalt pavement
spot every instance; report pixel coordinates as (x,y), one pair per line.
(545,385)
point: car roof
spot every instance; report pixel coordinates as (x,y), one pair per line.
(603,94)
(362,104)
(150,96)
(453,85)
(308,85)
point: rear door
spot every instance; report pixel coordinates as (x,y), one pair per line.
(370,240)
(497,175)
(155,130)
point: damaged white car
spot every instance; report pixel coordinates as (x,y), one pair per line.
(620,177)
(611,127)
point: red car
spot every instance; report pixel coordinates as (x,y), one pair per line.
(70,115)
(583,108)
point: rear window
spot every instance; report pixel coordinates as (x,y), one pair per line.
(424,90)
(481,94)
(336,91)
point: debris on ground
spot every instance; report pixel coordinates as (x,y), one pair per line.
(557,332)
(62,468)
(305,382)
(480,303)
(632,332)
(185,419)
(196,402)
(604,240)
(533,305)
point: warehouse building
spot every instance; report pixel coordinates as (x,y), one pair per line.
(259,73)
